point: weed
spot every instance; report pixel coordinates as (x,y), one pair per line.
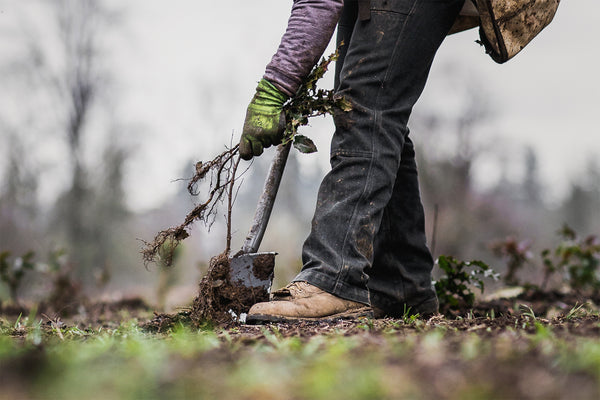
(74,332)
(57,326)
(369,324)
(454,288)
(410,319)
(528,312)
(577,311)
(18,322)
(577,259)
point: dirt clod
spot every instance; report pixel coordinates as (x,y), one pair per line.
(262,266)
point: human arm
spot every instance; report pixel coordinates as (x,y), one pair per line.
(309,30)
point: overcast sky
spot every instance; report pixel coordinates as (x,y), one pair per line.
(186,69)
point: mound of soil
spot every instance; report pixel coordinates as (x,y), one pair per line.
(222,300)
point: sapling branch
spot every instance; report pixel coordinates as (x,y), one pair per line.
(230,201)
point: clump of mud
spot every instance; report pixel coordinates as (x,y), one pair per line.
(220,299)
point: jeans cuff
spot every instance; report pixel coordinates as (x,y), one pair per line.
(412,299)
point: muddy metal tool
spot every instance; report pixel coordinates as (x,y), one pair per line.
(249,268)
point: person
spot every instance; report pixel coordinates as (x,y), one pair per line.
(366,254)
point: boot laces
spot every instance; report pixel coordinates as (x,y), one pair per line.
(290,290)
(295,287)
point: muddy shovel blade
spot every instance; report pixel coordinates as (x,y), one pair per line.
(254,271)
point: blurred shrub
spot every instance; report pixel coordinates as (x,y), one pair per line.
(454,288)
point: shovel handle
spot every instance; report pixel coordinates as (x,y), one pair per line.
(266,200)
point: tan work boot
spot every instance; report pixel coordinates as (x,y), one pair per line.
(303,301)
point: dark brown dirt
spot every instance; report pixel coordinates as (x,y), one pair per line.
(584,326)
(219,299)
(262,266)
(572,315)
(436,360)
(541,303)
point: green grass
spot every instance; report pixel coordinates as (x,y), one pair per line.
(372,360)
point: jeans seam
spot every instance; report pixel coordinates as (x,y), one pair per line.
(344,271)
(393,55)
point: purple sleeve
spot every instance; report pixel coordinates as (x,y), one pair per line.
(309,30)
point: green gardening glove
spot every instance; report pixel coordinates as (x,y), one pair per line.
(265,120)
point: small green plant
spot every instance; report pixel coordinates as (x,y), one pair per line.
(577,311)
(13,271)
(578,259)
(527,311)
(528,318)
(367,324)
(454,288)
(408,317)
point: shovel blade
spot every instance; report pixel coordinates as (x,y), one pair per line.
(253,270)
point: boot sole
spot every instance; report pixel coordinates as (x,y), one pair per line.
(258,319)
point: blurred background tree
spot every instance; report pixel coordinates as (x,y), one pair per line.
(63,87)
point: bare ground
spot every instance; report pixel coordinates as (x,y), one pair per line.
(536,346)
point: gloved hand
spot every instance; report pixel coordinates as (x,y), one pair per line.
(265,120)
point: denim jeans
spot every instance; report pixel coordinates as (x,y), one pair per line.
(367,242)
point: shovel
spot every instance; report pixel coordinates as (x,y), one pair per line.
(248,268)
